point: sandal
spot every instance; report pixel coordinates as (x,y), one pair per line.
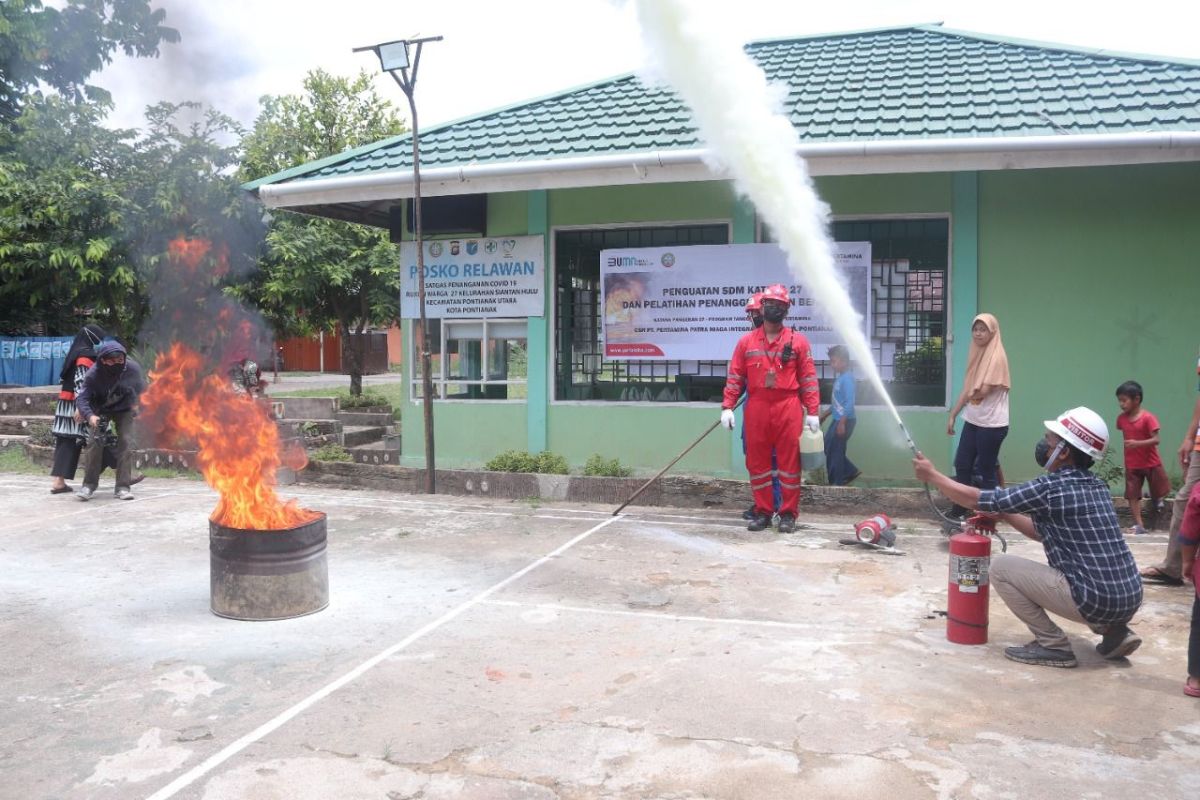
(62,490)
(1156,575)
(1190,690)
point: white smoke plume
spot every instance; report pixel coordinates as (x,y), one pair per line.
(737,113)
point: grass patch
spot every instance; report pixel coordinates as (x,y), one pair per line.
(544,462)
(600,466)
(330,452)
(13,459)
(391,394)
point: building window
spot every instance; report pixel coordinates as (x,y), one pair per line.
(909,264)
(581,372)
(909,267)
(483,359)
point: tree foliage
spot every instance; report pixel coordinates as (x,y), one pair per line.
(61,47)
(322,274)
(86,211)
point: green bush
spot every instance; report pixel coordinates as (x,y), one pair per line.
(330,452)
(551,464)
(41,435)
(926,364)
(606,467)
(522,461)
(364,400)
(1108,470)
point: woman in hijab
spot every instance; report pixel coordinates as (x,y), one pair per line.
(69,430)
(985,397)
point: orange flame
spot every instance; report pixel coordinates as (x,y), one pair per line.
(237,440)
(192,253)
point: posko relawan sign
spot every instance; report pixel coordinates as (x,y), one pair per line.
(688,303)
(470,278)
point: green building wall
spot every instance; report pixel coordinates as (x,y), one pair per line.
(1092,272)
(1094,275)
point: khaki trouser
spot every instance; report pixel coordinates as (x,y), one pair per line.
(1030,589)
(93,456)
(1173,563)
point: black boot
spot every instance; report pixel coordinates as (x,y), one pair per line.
(787,523)
(748,514)
(760,522)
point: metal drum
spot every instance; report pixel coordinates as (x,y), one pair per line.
(265,575)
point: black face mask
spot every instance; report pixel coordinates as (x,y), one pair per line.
(756,320)
(1041,453)
(774,313)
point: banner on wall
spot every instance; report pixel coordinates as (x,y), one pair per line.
(32,360)
(689,303)
(471,278)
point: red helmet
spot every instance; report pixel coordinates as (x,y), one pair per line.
(754,303)
(776,291)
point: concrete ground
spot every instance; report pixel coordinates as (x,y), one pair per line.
(504,650)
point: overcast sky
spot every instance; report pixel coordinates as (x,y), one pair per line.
(498,52)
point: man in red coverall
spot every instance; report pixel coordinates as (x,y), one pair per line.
(775,366)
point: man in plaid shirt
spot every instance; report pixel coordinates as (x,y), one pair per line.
(1091,576)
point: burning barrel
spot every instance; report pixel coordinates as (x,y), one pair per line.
(265,575)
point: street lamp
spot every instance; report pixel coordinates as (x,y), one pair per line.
(394,60)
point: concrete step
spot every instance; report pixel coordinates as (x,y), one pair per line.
(20,425)
(386,451)
(308,407)
(358,435)
(383,418)
(17,402)
(8,440)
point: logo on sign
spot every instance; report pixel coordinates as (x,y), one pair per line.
(490,246)
(509,246)
(455,247)
(435,249)
(472,247)
(668,260)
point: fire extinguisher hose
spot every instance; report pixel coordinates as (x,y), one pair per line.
(929,496)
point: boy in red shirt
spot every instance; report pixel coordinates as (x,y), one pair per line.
(1142,462)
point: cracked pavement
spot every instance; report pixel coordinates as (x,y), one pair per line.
(490,649)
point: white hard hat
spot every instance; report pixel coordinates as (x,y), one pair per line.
(1083,428)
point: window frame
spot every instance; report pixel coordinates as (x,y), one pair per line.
(552,306)
(439,377)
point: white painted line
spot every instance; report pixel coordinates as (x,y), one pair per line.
(190,777)
(620,612)
(110,509)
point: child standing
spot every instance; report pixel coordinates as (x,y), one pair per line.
(838,467)
(1142,462)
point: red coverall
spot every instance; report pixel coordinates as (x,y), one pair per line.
(774,417)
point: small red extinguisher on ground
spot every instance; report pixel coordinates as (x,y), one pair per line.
(970,558)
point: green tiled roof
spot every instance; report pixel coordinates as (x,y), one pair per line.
(897,83)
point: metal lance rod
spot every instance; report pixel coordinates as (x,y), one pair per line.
(675,460)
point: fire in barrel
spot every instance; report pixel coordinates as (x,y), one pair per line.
(267,556)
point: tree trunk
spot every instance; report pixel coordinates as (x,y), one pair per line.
(352,353)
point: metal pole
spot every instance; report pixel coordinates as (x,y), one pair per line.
(408,86)
(674,461)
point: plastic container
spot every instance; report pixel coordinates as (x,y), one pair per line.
(812,450)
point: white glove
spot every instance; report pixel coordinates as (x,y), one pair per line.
(812,423)
(727,418)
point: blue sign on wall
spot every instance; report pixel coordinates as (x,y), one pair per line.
(32,360)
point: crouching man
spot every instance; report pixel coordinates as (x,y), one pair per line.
(1091,576)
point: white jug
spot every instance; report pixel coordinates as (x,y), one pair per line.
(812,450)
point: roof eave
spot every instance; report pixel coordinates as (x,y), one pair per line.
(687,165)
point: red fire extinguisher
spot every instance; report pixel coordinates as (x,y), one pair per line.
(970,557)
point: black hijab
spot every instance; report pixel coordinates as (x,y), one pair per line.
(83,346)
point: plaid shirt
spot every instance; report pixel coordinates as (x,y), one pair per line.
(1072,510)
